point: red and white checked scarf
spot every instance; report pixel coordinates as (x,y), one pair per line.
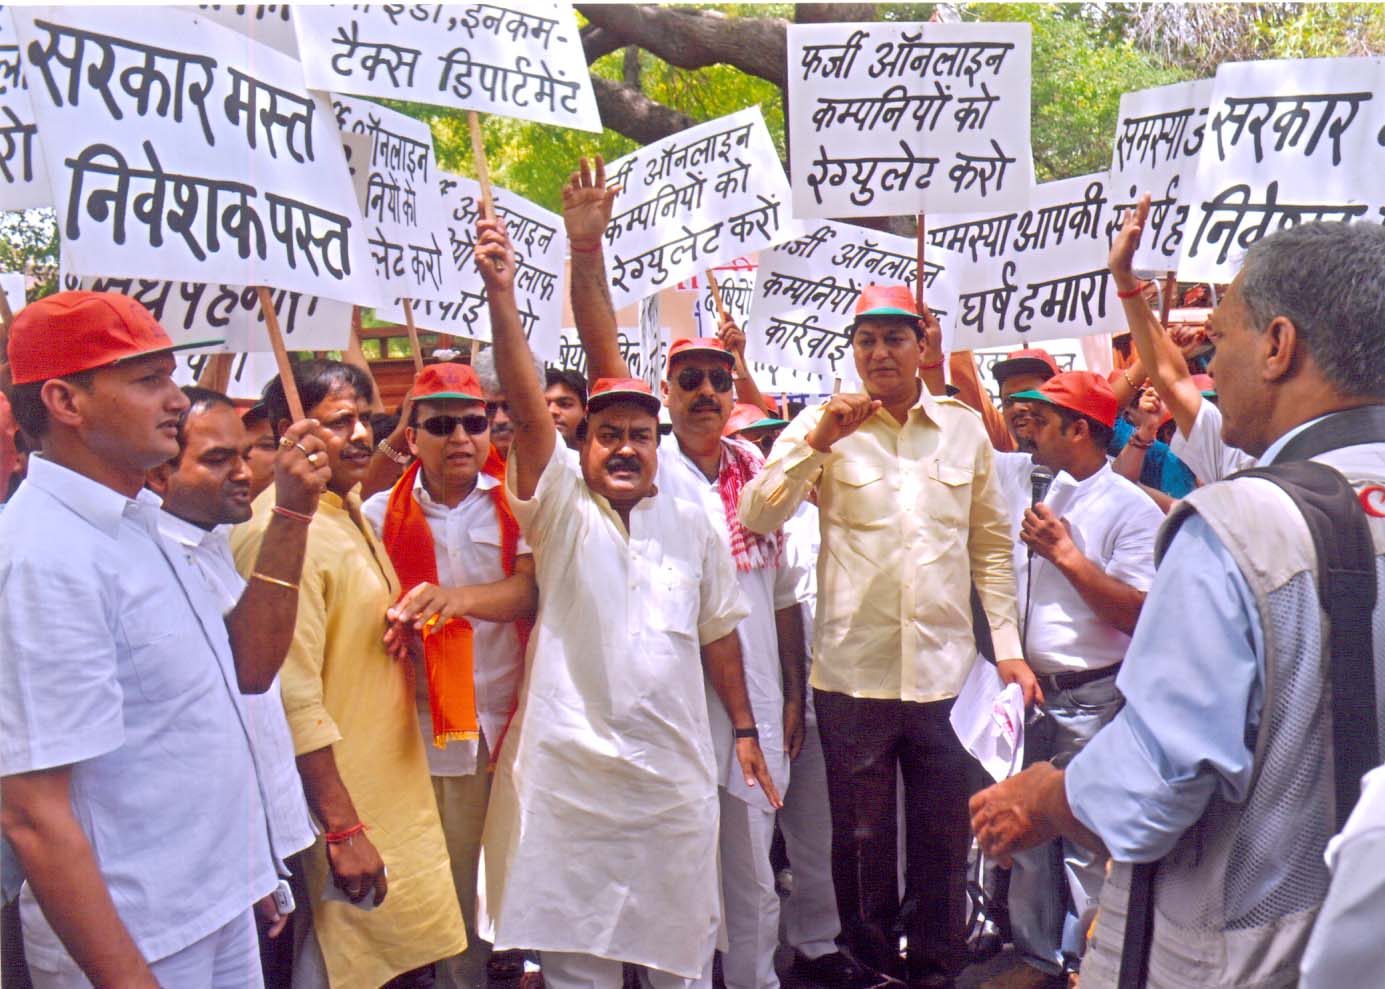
(740,462)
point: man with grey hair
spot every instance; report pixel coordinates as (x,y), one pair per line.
(1250,712)
(502,431)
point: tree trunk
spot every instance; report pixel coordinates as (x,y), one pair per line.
(630,112)
(695,39)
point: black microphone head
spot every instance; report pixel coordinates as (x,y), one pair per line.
(1039,480)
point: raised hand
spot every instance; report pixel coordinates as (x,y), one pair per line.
(932,339)
(732,337)
(1121,260)
(301,469)
(587,203)
(842,417)
(495,256)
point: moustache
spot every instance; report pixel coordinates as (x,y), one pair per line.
(358,449)
(706,405)
(631,464)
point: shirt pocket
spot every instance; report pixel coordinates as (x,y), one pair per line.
(861,495)
(949,496)
(675,600)
(165,664)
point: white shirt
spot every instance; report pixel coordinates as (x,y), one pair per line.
(802,540)
(466,544)
(114,660)
(601,833)
(1113,524)
(1204,451)
(290,826)
(766,590)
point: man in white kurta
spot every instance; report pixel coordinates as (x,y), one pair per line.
(602,833)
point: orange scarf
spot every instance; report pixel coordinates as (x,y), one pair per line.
(447,651)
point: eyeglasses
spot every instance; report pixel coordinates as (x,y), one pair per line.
(493,407)
(690,378)
(474,425)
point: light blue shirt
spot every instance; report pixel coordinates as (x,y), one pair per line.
(1193,680)
(114,660)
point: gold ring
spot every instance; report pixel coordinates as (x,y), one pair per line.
(305,450)
(312,459)
(285,442)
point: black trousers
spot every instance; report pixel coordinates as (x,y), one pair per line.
(863,741)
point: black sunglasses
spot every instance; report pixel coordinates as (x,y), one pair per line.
(493,407)
(474,425)
(690,378)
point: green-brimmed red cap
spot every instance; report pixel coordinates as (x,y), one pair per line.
(1084,392)
(885,302)
(609,391)
(746,416)
(1206,385)
(443,381)
(69,332)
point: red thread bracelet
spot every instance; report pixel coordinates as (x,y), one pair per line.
(341,837)
(934,366)
(289,513)
(595,246)
(1130,293)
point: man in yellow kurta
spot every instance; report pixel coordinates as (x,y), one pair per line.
(350,707)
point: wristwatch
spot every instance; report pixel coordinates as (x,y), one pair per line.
(747,733)
(402,459)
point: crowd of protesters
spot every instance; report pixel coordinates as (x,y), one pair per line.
(522,685)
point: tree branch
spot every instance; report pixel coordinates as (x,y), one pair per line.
(694,39)
(598,41)
(635,115)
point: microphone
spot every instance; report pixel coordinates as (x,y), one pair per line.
(1039,480)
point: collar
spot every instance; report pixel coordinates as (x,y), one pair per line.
(1274,448)
(926,404)
(182,531)
(99,506)
(484,482)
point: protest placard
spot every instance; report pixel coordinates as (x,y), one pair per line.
(403,204)
(1035,274)
(806,291)
(270,24)
(540,244)
(191,311)
(1287,142)
(23,176)
(630,340)
(1158,136)
(12,284)
(894,118)
(704,195)
(249,372)
(736,283)
(515,59)
(213,166)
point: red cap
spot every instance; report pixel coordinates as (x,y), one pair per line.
(1084,392)
(886,301)
(1033,361)
(699,345)
(69,332)
(608,391)
(746,416)
(448,380)
(1205,384)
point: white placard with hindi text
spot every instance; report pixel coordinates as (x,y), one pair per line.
(12,284)
(514,59)
(540,243)
(702,196)
(191,311)
(806,293)
(403,207)
(736,283)
(891,118)
(1039,273)
(1287,142)
(1158,136)
(213,165)
(23,175)
(249,372)
(570,354)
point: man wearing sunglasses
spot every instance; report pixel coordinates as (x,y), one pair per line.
(469,579)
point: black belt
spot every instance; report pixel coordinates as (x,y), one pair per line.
(1055,682)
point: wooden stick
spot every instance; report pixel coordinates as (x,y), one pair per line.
(716,295)
(922,267)
(836,385)
(281,356)
(483,173)
(6,313)
(216,373)
(1170,287)
(475,349)
(413,335)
